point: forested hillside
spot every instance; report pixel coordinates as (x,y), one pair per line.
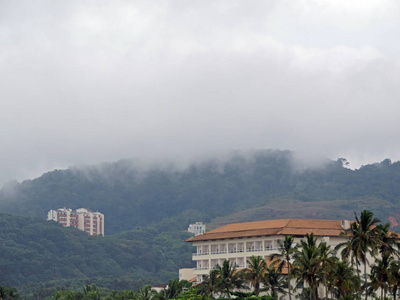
(171,198)
(147,211)
(37,255)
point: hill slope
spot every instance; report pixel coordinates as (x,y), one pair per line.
(170,199)
(148,210)
(34,251)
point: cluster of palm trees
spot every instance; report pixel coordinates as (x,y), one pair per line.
(310,267)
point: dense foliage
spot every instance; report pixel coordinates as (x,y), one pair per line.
(37,255)
(147,211)
(171,198)
(312,262)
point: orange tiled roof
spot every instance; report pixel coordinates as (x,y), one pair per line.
(296,227)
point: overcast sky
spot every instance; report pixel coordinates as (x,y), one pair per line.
(82,82)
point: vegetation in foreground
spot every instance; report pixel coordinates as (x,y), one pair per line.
(311,264)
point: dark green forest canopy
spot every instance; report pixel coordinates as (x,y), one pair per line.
(35,252)
(147,212)
(170,198)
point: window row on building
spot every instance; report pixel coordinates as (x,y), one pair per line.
(82,218)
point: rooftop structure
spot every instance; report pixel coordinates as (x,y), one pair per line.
(197,229)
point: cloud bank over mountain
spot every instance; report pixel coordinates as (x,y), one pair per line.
(84,82)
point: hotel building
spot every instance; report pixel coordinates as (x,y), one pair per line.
(82,218)
(238,242)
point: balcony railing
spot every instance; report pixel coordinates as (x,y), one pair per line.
(236,251)
(218,252)
(202,253)
(254,250)
(272,248)
(202,268)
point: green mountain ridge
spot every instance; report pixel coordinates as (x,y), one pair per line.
(147,212)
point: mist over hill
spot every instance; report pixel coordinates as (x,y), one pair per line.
(171,198)
(147,211)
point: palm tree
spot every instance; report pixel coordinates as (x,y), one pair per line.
(306,263)
(351,249)
(274,282)
(363,240)
(90,291)
(175,287)
(394,277)
(379,274)
(388,241)
(209,285)
(2,292)
(11,293)
(255,272)
(145,293)
(287,249)
(228,277)
(344,279)
(325,260)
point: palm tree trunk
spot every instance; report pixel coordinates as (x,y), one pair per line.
(288,281)
(358,274)
(273,292)
(365,278)
(326,286)
(316,293)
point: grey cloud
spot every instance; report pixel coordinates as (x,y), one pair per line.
(84,82)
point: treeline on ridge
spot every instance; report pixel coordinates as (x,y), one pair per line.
(171,198)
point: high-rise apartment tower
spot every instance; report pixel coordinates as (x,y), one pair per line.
(82,218)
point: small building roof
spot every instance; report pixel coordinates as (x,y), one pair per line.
(296,227)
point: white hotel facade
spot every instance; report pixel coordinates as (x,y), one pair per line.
(238,242)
